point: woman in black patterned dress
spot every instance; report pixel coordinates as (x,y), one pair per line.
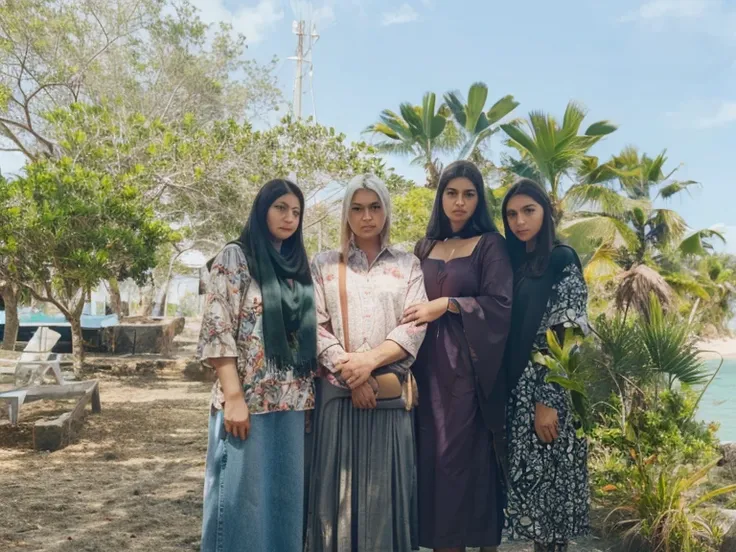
(548,495)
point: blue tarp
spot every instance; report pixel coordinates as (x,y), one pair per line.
(89,322)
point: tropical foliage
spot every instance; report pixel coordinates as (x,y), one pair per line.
(142,128)
(458,127)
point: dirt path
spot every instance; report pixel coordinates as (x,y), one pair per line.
(133,480)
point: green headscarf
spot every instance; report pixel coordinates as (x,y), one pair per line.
(289,318)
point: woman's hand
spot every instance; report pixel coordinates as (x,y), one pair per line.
(424,313)
(237,417)
(364,396)
(545,423)
(356,368)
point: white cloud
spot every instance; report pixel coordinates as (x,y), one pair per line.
(725,115)
(656,9)
(711,17)
(322,16)
(702,115)
(405,14)
(254,21)
(429,4)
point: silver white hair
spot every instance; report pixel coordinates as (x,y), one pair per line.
(374,184)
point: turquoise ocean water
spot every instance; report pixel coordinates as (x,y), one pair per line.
(719,401)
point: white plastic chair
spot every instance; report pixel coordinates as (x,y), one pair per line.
(36,360)
(31,368)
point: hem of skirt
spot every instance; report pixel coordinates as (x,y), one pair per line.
(581,533)
(460,543)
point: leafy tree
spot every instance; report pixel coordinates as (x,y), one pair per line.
(475,124)
(202,179)
(155,57)
(551,152)
(73,228)
(422,132)
(410,214)
(457,127)
(9,288)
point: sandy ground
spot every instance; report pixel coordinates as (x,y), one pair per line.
(717,348)
(132,481)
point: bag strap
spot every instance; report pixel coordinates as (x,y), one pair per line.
(343,286)
(391,386)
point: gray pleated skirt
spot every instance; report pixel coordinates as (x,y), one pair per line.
(362,474)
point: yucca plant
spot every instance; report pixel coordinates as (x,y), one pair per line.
(671,347)
(619,353)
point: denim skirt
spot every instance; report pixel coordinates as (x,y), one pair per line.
(253,490)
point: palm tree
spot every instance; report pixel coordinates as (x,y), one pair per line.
(475,124)
(634,234)
(418,131)
(641,174)
(551,151)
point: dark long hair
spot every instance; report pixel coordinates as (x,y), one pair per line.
(535,264)
(480,222)
(256,237)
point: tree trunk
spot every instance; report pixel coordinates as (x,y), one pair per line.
(147,299)
(433,175)
(115,300)
(10,298)
(167,284)
(77,339)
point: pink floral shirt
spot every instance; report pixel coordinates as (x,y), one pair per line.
(377,296)
(232,326)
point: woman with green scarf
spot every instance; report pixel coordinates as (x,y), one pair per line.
(259,335)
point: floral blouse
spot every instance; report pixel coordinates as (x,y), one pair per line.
(377,296)
(232,326)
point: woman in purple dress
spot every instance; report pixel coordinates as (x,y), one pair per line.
(460,420)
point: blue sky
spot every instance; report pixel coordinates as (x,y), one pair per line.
(663,70)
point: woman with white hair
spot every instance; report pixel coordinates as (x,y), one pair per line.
(362,495)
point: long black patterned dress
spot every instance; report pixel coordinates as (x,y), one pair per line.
(548,499)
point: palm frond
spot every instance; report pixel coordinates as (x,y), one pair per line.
(395,148)
(667,226)
(671,347)
(477,96)
(575,112)
(520,139)
(523,169)
(500,109)
(455,103)
(595,196)
(636,287)
(602,266)
(676,187)
(697,243)
(683,283)
(597,228)
(600,129)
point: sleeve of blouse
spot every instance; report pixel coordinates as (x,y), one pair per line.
(571,311)
(329,348)
(229,281)
(409,336)
(486,318)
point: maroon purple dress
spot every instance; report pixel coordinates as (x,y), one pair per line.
(460,420)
